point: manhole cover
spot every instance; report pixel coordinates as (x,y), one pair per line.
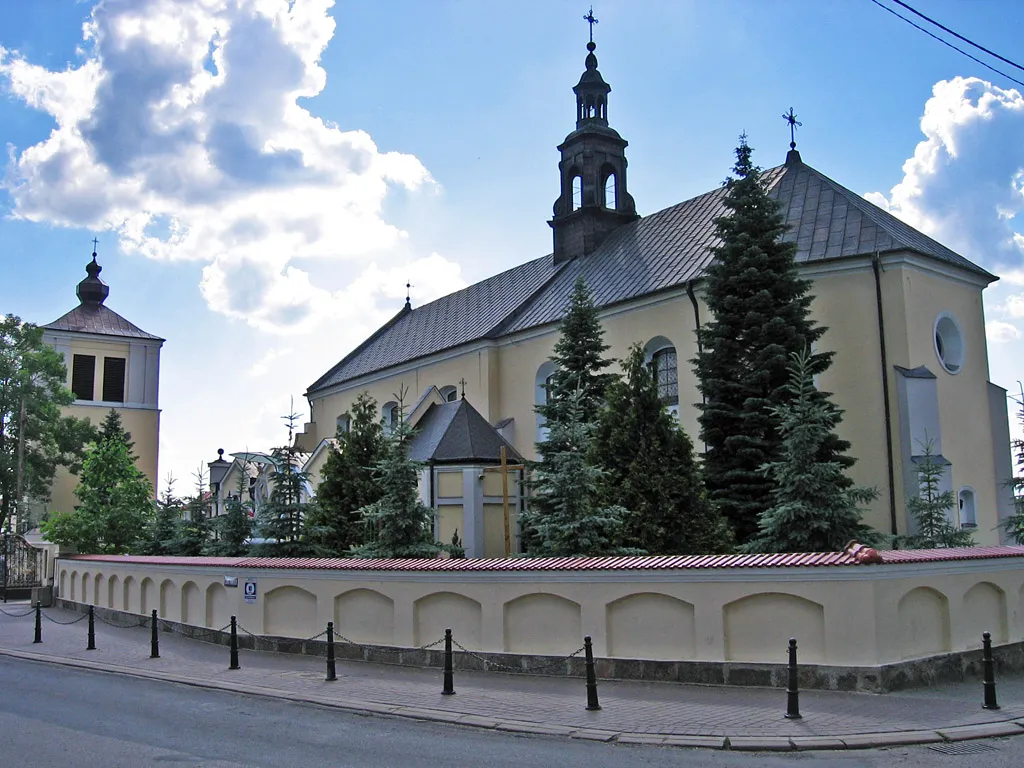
(962,748)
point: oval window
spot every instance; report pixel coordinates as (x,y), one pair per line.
(949,343)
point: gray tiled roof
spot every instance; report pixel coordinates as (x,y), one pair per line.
(98,319)
(655,253)
(456,432)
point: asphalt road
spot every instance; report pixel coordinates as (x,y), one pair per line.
(56,716)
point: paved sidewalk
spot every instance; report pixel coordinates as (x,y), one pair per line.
(649,713)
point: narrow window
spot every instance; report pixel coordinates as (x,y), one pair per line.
(449,393)
(341,424)
(666,375)
(577,192)
(968,512)
(390,414)
(113,379)
(83,376)
(610,200)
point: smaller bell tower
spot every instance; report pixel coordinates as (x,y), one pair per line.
(594,199)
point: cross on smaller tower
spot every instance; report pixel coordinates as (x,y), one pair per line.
(462,383)
(589,18)
(790,118)
(95,242)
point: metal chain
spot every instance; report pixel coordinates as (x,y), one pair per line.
(66,623)
(387,651)
(143,623)
(505,667)
(18,615)
(208,635)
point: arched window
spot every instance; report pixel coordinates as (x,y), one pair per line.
(449,393)
(610,198)
(390,415)
(577,192)
(666,374)
(540,395)
(342,424)
(968,511)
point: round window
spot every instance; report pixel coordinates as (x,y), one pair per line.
(949,343)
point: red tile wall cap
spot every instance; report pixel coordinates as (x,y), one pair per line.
(862,553)
(645,563)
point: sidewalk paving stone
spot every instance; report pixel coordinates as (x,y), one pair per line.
(632,712)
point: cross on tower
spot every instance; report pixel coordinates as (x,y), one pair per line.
(462,383)
(589,18)
(95,242)
(790,118)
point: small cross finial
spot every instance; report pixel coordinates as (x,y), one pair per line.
(95,242)
(790,118)
(589,18)
(462,383)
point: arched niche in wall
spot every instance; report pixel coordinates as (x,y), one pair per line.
(218,614)
(130,601)
(289,612)
(192,604)
(169,607)
(985,611)
(540,395)
(758,628)
(923,617)
(651,626)
(114,598)
(73,594)
(86,595)
(365,616)
(542,623)
(434,613)
(99,590)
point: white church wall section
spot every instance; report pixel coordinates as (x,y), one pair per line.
(841,615)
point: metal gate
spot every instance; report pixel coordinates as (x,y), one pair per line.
(21,566)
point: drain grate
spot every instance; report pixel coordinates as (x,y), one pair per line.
(962,748)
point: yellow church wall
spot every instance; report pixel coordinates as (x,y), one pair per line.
(144,426)
(963,405)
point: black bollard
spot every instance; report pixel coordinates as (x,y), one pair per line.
(39,623)
(234,644)
(592,702)
(92,632)
(154,636)
(449,683)
(793,691)
(332,672)
(989,671)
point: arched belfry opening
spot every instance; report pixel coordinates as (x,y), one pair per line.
(594,199)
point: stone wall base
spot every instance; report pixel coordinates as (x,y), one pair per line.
(923,672)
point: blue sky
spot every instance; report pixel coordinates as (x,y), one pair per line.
(263,176)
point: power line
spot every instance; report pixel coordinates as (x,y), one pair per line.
(947,43)
(959,36)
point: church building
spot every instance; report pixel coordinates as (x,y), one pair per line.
(111,364)
(904,316)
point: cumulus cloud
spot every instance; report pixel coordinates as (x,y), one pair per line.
(964,184)
(181,131)
(999,332)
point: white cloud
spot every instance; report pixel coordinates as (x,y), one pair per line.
(999,332)
(1013,306)
(965,183)
(181,132)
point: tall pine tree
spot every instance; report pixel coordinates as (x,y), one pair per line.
(282,518)
(398,524)
(195,529)
(163,530)
(760,311)
(234,528)
(347,481)
(565,512)
(649,469)
(814,508)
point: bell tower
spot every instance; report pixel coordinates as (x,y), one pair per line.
(594,199)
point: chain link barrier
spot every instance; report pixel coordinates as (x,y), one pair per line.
(18,615)
(488,664)
(144,622)
(386,651)
(208,635)
(83,617)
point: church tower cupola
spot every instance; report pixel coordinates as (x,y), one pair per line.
(92,291)
(594,199)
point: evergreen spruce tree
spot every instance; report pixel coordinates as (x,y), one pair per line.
(164,529)
(398,524)
(195,529)
(347,481)
(649,468)
(760,315)
(578,366)
(112,426)
(931,507)
(117,505)
(282,518)
(814,509)
(564,512)
(233,528)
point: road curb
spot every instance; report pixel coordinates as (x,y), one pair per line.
(1009,727)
